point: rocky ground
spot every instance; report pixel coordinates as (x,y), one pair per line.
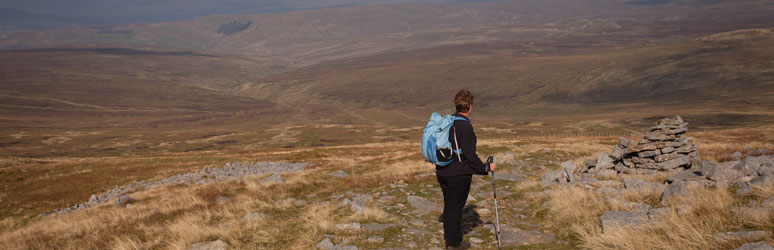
(636,185)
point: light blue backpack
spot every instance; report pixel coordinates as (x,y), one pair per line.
(435,140)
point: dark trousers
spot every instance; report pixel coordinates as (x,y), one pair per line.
(455,194)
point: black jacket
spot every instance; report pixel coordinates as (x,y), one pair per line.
(470,163)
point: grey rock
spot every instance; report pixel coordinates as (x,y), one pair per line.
(360,202)
(638,160)
(679,188)
(505,158)
(375,239)
(513,236)
(210,245)
(345,247)
(508,176)
(667,150)
(604,161)
(742,235)
(616,219)
(649,153)
(552,178)
(760,245)
(325,244)
(607,191)
(687,175)
(722,172)
(122,200)
(623,142)
(418,223)
(667,157)
(275,178)
(222,199)
(339,174)
(658,213)
(372,227)
(606,173)
(765,164)
(569,169)
(587,164)
(422,205)
(606,183)
(354,226)
(415,231)
(657,136)
(618,153)
(256,216)
(688,148)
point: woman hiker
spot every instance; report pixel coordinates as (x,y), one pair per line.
(455,178)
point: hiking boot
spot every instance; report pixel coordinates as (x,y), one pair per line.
(462,246)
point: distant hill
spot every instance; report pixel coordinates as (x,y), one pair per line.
(117,12)
(535,80)
(14,20)
(307,37)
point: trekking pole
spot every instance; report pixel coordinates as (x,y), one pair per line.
(494,194)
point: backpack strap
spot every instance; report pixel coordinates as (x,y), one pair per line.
(459,152)
(457,144)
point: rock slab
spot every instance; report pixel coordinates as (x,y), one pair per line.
(210,245)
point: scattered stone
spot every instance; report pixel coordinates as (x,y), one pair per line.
(639,185)
(222,199)
(476,240)
(513,236)
(210,245)
(742,235)
(658,213)
(721,172)
(422,205)
(256,216)
(760,245)
(687,175)
(275,178)
(354,226)
(675,189)
(606,174)
(325,244)
(552,178)
(484,212)
(603,161)
(616,219)
(418,223)
(375,239)
(508,176)
(569,169)
(371,227)
(339,174)
(122,200)
(229,171)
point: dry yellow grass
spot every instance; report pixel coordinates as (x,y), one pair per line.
(689,224)
(175,217)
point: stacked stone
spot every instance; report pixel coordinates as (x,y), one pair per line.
(662,149)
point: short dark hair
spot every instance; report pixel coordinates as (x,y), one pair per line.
(463,100)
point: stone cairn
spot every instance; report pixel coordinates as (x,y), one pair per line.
(662,149)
